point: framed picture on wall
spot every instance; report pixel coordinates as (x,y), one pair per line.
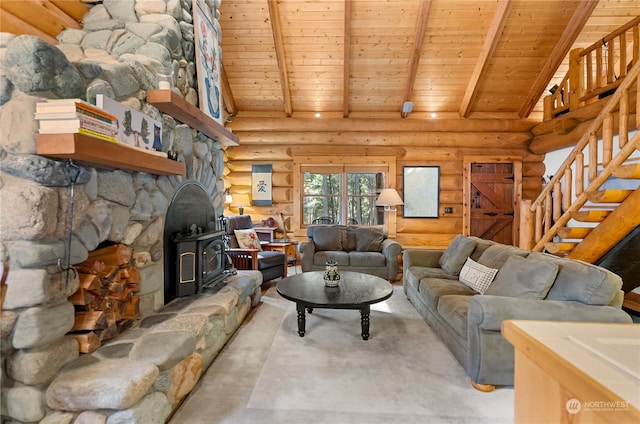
(421,191)
(208,63)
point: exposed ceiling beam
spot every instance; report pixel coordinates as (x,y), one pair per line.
(227,96)
(414,61)
(278,41)
(489,46)
(347,58)
(571,32)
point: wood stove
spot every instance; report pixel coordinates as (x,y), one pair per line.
(200,260)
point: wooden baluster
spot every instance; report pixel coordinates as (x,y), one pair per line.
(607,140)
(589,60)
(636,44)
(599,80)
(547,212)
(557,200)
(611,62)
(593,157)
(623,54)
(567,197)
(538,223)
(623,136)
(579,173)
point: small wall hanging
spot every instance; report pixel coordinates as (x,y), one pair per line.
(261,185)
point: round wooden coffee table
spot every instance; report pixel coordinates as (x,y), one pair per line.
(355,291)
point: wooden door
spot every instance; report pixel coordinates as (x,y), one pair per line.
(491,202)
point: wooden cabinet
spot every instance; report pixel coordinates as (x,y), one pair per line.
(570,372)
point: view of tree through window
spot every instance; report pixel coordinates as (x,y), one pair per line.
(341,197)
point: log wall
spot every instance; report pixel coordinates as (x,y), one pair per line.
(419,143)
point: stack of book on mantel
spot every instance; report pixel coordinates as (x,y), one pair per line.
(60,116)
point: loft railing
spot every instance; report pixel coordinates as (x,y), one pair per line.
(587,168)
(596,71)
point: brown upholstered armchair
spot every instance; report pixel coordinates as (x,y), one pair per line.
(271,264)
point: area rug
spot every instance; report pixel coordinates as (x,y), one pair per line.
(403,367)
(402,374)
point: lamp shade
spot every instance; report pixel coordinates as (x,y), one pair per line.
(389,197)
(228,199)
(240,200)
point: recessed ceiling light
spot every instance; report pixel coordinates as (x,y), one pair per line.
(317,115)
(434,115)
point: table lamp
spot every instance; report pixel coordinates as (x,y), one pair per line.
(389,197)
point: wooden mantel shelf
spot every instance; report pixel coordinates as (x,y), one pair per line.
(83,148)
(172,104)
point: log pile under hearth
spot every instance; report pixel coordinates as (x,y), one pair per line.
(105,303)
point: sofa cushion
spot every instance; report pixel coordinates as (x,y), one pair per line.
(432,289)
(524,278)
(477,276)
(481,246)
(339,256)
(267,259)
(367,259)
(497,254)
(327,238)
(247,239)
(369,239)
(454,309)
(349,242)
(456,254)
(582,282)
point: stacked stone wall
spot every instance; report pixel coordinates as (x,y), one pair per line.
(119,52)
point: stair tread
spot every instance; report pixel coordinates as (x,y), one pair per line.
(609,195)
(574,232)
(559,248)
(631,171)
(591,215)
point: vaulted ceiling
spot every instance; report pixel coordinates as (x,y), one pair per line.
(366,58)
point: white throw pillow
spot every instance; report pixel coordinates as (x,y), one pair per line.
(477,276)
(248,239)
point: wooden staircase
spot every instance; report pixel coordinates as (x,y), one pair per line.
(578,214)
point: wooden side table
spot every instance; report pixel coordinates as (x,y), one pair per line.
(288,248)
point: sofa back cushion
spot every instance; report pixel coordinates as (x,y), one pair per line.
(524,278)
(497,254)
(369,239)
(327,237)
(582,282)
(477,276)
(349,241)
(481,246)
(456,254)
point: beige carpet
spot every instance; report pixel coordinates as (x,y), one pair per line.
(402,374)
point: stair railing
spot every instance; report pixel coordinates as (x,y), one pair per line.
(566,192)
(596,70)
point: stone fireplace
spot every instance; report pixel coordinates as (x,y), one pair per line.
(53,212)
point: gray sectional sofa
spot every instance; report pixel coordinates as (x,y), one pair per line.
(527,285)
(361,249)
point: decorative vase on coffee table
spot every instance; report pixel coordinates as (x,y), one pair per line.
(331,274)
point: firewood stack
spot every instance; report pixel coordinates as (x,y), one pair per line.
(105,303)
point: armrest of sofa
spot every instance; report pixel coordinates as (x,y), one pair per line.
(488,312)
(307,249)
(421,257)
(391,249)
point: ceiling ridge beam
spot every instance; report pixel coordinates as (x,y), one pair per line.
(278,41)
(489,46)
(414,61)
(346,59)
(560,50)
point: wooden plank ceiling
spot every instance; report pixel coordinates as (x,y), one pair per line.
(470,58)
